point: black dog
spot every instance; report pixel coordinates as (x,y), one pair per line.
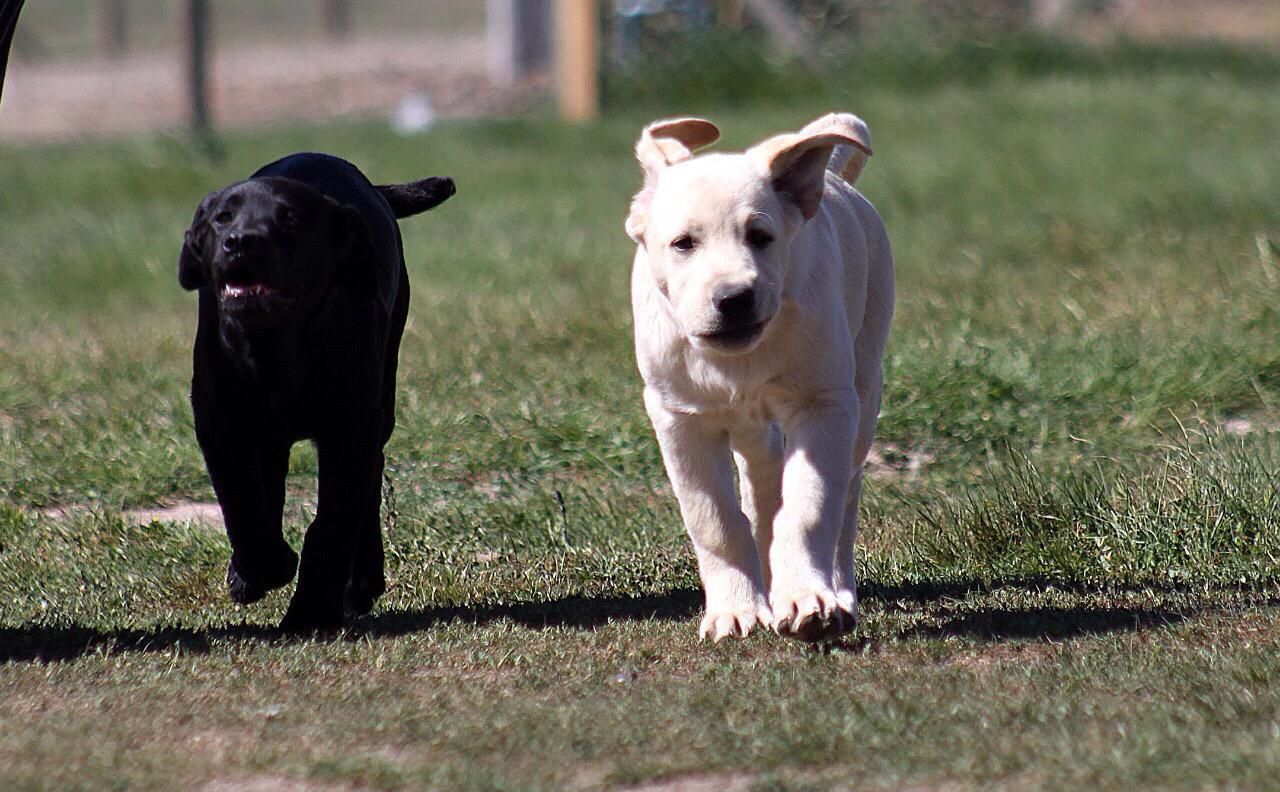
(303,298)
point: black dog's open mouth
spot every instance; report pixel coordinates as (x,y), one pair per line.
(252,299)
(734,337)
(233,291)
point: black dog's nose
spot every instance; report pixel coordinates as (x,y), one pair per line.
(734,302)
(240,243)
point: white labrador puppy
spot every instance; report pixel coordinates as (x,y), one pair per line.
(762,291)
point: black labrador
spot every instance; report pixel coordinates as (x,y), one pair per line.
(303,298)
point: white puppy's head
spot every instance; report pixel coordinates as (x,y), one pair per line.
(717,229)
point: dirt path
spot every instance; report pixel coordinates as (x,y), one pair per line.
(102,97)
(194,512)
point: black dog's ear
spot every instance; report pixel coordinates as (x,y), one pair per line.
(192,272)
(410,198)
(349,228)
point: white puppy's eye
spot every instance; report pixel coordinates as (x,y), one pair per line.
(684,243)
(758,238)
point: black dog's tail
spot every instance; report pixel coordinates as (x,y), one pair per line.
(8,24)
(410,198)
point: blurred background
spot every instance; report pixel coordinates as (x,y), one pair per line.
(94,68)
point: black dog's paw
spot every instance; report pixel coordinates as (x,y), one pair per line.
(246,591)
(308,615)
(363,591)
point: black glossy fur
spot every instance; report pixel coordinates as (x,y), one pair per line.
(303,298)
(9,10)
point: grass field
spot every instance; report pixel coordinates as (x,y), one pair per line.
(1069,559)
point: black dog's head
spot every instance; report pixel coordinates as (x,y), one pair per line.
(268,247)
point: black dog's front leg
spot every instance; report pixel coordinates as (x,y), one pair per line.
(346,484)
(249,482)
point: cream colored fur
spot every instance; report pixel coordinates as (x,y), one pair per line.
(795,406)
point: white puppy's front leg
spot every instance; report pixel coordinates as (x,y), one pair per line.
(758,453)
(696,455)
(816,474)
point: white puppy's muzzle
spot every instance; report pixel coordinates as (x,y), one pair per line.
(739,314)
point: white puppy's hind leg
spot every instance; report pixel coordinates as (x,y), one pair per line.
(698,463)
(845,579)
(868,382)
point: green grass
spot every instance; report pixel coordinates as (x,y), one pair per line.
(1075,589)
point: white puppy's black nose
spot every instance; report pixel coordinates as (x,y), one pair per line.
(735,303)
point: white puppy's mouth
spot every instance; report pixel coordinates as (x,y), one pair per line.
(733,339)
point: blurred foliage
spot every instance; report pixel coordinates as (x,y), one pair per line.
(904,46)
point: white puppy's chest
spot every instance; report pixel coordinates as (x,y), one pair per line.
(759,387)
(751,388)
(703,388)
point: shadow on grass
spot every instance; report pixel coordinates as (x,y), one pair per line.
(1054,624)
(46,643)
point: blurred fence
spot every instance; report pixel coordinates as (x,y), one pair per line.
(95,67)
(102,67)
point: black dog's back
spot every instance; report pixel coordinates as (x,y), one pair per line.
(379,206)
(338,179)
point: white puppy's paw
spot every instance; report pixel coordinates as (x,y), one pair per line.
(720,624)
(809,615)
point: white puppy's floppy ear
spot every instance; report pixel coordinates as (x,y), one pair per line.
(797,164)
(662,144)
(673,140)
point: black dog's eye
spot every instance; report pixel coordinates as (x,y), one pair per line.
(759,239)
(287,217)
(222,218)
(684,243)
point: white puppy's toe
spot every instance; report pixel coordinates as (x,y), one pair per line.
(847,600)
(811,616)
(733,624)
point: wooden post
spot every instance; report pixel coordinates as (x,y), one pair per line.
(337,18)
(199,32)
(577,58)
(113,26)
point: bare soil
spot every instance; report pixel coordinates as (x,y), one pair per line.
(256,86)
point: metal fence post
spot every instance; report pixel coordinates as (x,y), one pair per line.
(337,18)
(199,32)
(518,37)
(113,26)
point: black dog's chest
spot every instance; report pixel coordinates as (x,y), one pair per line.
(291,388)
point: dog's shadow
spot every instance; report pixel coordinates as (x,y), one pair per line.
(49,643)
